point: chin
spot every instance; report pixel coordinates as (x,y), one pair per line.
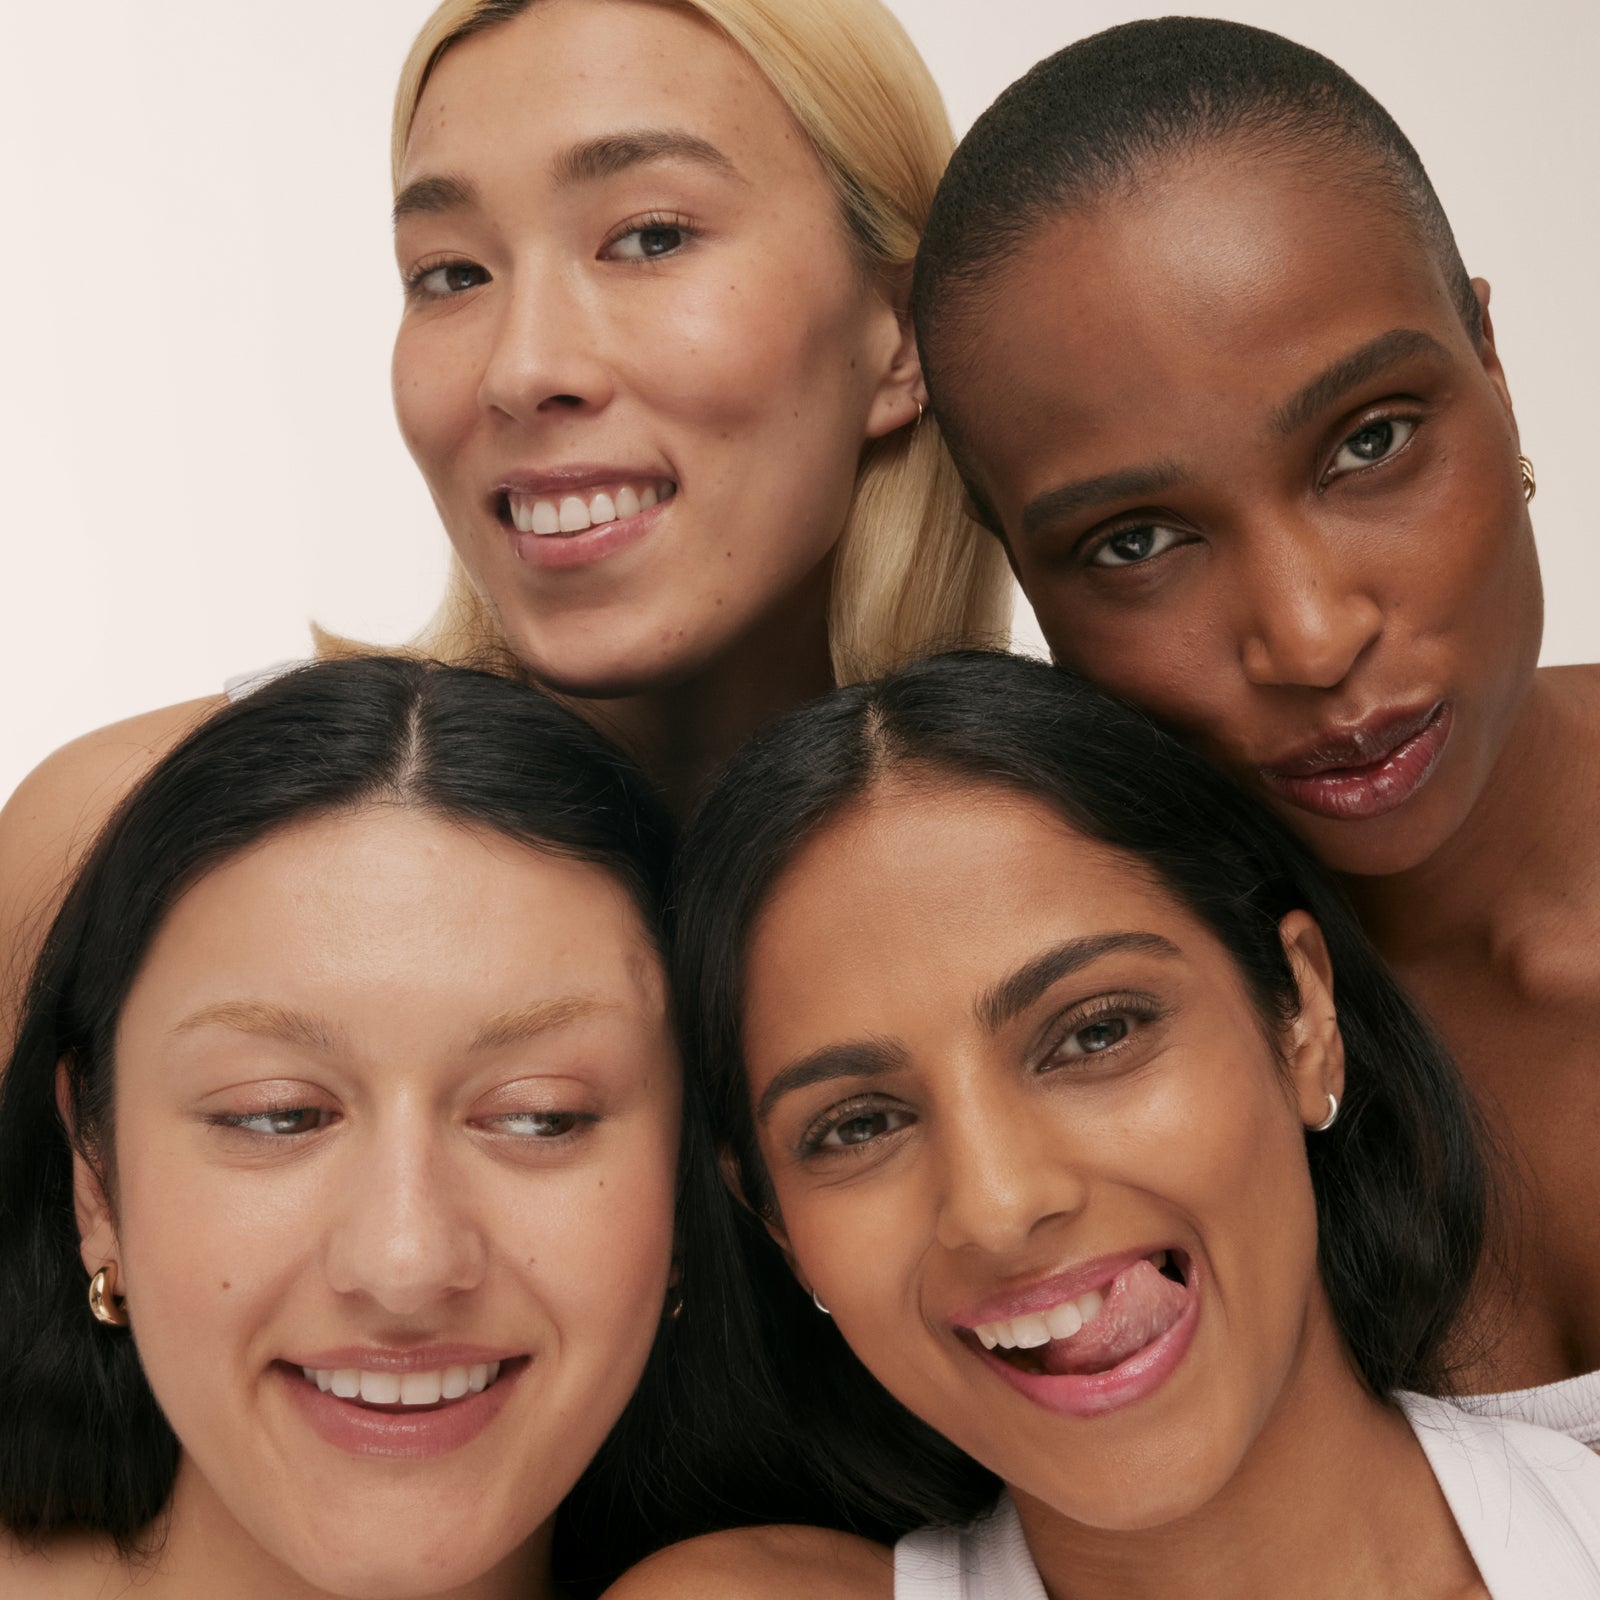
(389,1573)
(614,660)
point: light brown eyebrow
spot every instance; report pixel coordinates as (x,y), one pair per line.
(1348,371)
(612,153)
(432,196)
(1014,994)
(265,1020)
(542,1016)
(1055,504)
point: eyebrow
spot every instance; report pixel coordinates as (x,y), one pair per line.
(859,1058)
(1056,504)
(543,1016)
(433,196)
(613,153)
(1013,995)
(1358,367)
(264,1020)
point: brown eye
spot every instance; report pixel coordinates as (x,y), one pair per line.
(1100,1036)
(1132,545)
(863,1128)
(1374,443)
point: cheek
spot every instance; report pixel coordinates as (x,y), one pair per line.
(434,378)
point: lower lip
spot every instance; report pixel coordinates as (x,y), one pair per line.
(399,1435)
(1094,1394)
(1355,794)
(593,544)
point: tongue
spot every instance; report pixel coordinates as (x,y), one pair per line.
(1141,1304)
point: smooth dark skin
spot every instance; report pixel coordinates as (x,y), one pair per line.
(1173,339)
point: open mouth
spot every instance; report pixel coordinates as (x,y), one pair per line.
(408,1392)
(563,516)
(1101,1329)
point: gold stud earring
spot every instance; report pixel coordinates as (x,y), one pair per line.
(103,1300)
(1530,484)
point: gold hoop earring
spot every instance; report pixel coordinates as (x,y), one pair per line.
(918,423)
(103,1300)
(1530,484)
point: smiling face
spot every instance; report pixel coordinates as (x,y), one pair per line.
(639,358)
(396,1102)
(1010,1093)
(1256,477)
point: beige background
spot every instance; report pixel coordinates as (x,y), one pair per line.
(196,447)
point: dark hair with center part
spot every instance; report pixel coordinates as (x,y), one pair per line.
(1086,123)
(1399,1182)
(83,1443)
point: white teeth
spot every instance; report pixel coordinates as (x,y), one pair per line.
(572,514)
(380,1388)
(1063,1321)
(647,497)
(421,1388)
(406,1389)
(346,1383)
(323,1380)
(627,502)
(1028,1333)
(1040,1327)
(477,1379)
(454,1384)
(602,509)
(544,518)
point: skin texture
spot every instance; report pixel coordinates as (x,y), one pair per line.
(1133,1103)
(1266,575)
(408,1180)
(701,320)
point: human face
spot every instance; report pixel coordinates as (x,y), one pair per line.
(998,1074)
(1256,477)
(631,287)
(393,1098)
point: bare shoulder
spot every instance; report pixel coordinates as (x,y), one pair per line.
(57,811)
(776,1563)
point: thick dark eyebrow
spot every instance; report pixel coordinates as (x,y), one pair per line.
(612,153)
(1358,367)
(431,196)
(1055,505)
(858,1058)
(1013,995)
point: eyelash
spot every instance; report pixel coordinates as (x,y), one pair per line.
(239,1121)
(651,222)
(412,282)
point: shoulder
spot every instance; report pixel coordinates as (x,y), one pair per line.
(60,807)
(778,1563)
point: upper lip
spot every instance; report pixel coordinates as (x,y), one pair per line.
(418,1358)
(1360,744)
(1071,1283)
(574,479)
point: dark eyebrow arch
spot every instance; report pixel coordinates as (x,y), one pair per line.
(1012,996)
(431,196)
(857,1058)
(612,153)
(1056,504)
(1358,367)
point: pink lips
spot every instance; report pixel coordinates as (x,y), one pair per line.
(1367,772)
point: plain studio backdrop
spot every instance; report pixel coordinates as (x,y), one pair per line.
(198,450)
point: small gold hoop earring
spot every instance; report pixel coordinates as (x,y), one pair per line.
(1332,1116)
(1530,484)
(817,1302)
(103,1300)
(918,423)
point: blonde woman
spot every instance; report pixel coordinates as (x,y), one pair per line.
(656,259)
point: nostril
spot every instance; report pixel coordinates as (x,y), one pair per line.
(570,401)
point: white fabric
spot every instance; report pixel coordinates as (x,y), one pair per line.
(1527,1501)
(1571,1406)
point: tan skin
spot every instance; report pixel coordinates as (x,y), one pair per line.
(959,1145)
(1221,516)
(688,309)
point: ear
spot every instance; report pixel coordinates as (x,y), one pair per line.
(901,395)
(772,1221)
(1489,356)
(1314,1048)
(97,1235)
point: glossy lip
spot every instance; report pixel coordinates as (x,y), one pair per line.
(1094,1394)
(415,1435)
(419,1358)
(1069,1284)
(574,479)
(1368,771)
(556,551)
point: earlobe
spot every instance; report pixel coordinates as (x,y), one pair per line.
(902,396)
(1314,1048)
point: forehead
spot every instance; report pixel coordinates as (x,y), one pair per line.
(566,71)
(1195,303)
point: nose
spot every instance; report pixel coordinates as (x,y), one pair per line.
(545,353)
(1003,1172)
(403,1233)
(1308,621)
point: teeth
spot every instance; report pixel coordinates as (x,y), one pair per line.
(572,513)
(406,1389)
(1037,1328)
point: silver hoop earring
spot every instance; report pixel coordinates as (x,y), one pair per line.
(819,1305)
(1332,1116)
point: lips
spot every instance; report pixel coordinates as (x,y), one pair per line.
(576,516)
(1366,771)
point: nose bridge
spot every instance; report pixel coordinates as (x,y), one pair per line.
(1003,1168)
(1309,612)
(545,347)
(406,1235)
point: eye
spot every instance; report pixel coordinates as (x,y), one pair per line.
(446,281)
(648,240)
(849,1127)
(280,1122)
(1128,546)
(1095,1038)
(1376,442)
(538,1124)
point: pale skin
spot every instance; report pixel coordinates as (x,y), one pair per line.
(1256,476)
(1003,1131)
(365,1100)
(655,281)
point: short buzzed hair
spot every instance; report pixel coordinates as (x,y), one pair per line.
(1087,122)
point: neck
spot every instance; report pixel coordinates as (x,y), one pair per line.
(682,733)
(1515,853)
(1334,1498)
(199,1551)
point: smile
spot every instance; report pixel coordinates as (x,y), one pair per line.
(403,1389)
(557,516)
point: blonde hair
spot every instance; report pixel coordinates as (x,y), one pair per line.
(912,574)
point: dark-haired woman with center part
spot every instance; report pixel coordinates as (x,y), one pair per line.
(1092,1129)
(1218,380)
